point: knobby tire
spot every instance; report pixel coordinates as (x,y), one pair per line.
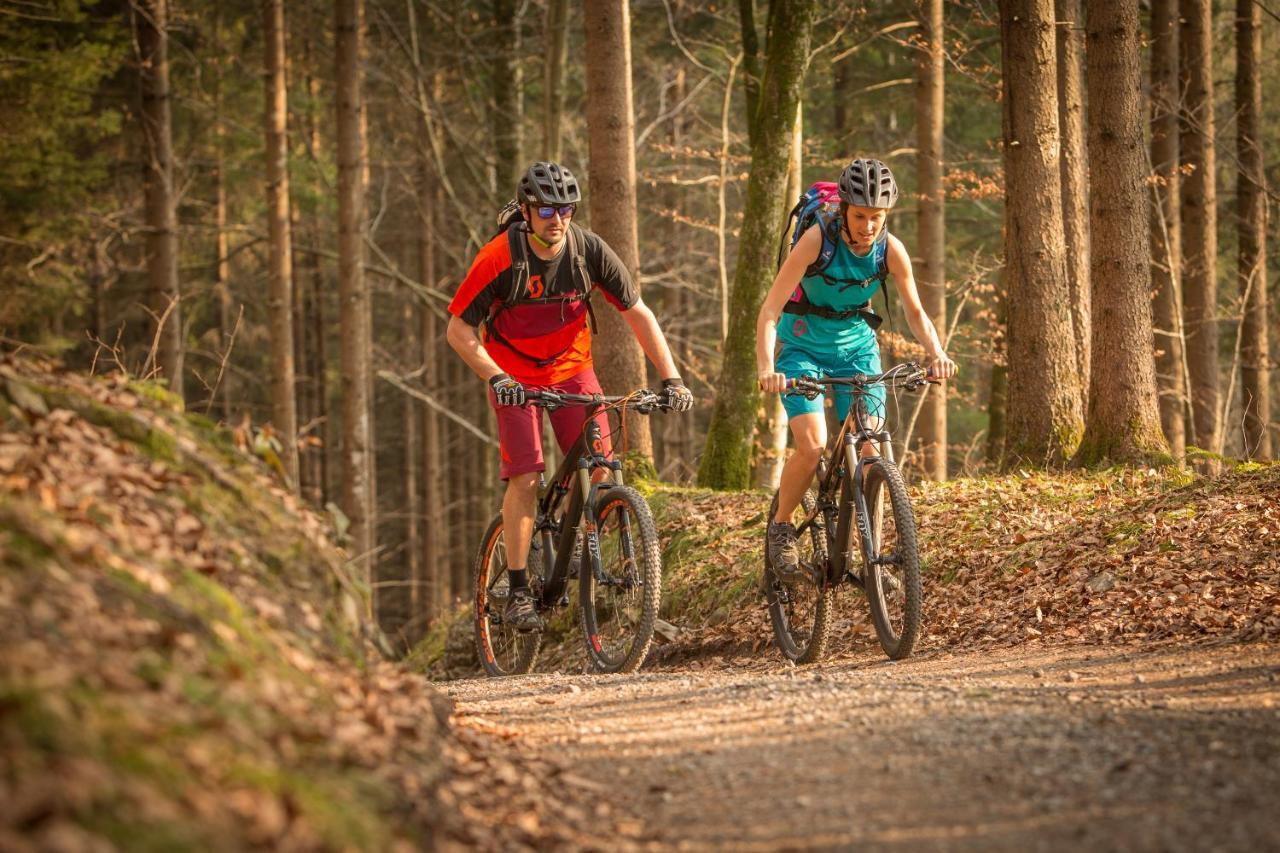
(894,595)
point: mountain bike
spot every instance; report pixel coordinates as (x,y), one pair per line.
(618,562)
(856,527)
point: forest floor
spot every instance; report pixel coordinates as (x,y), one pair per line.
(1123,747)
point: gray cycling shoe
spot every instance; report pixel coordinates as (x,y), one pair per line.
(521,614)
(784,555)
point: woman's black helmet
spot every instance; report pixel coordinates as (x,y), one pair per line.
(548,183)
(868,183)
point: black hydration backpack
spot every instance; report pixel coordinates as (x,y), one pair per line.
(510,221)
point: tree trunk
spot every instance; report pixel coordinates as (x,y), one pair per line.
(280,241)
(557,38)
(1075,174)
(612,183)
(435,542)
(998,392)
(930,269)
(1166,226)
(221,261)
(1044,420)
(1123,424)
(1199,198)
(151,18)
(726,460)
(414,527)
(771,430)
(507,91)
(353,293)
(1251,215)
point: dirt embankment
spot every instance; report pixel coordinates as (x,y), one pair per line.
(184,661)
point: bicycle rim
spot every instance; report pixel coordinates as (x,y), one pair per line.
(501,650)
(800,613)
(620,606)
(892,583)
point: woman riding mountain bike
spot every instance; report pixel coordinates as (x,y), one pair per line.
(816,317)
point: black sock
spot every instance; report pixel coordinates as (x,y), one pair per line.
(519,578)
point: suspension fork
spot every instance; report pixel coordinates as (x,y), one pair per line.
(594,459)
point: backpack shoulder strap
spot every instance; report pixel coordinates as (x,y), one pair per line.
(830,231)
(578,257)
(519,248)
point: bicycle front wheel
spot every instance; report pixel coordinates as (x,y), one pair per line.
(892,580)
(800,613)
(620,604)
(502,650)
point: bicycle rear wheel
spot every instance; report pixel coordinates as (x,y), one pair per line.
(801,613)
(619,607)
(892,581)
(501,649)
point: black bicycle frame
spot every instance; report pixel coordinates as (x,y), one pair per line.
(853,435)
(573,478)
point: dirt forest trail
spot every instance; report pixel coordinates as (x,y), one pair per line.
(1026,747)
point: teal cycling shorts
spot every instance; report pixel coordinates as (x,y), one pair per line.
(794,362)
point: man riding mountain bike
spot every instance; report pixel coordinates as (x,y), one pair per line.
(522,320)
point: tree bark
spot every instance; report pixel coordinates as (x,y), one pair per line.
(1166,226)
(221,261)
(1044,419)
(557,38)
(507,91)
(611,129)
(1199,198)
(1251,216)
(1123,424)
(1075,174)
(353,293)
(771,430)
(930,269)
(151,17)
(435,530)
(280,240)
(726,460)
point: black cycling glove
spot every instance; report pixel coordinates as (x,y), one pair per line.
(676,395)
(508,391)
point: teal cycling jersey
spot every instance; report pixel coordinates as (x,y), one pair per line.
(838,289)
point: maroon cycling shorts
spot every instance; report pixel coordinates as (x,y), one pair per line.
(520,427)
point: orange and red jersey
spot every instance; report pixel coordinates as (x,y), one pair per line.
(544,330)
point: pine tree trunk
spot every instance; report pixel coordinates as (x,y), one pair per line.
(435,539)
(726,460)
(930,269)
(151,17)
(506,77)
(353,293)
(612,184)
(279,239)
(1251,215)
(557,38)
(414,528)
(1199,197)
(221,261)
(1044,419)
(1123,424)
(1166,226)
(1075,174)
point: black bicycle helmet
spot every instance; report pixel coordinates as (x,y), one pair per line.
(548,183)
(868,183)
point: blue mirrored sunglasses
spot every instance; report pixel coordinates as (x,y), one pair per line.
(565,211)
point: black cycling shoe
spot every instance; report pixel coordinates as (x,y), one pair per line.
(784,555)
(521,613)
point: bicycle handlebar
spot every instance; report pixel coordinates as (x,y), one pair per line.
(908,375)
(643,401)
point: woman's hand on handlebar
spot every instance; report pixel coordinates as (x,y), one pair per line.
(942,367)
(772,382)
